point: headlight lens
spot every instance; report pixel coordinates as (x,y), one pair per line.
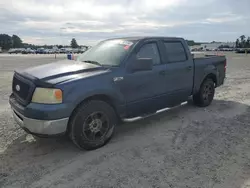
(47,96)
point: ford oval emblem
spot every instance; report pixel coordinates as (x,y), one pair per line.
(18,88)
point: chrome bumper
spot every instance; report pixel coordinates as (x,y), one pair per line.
(42,127)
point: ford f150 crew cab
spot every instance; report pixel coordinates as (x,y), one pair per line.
(116,79)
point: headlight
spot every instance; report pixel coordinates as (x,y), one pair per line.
(47,96)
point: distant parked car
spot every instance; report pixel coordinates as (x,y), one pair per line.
(31,51)
(28,51)
(19,50)
(62,51)
(47,51)
(25,51)
(83,50)
(40,51)
(69,50)
(54,51)
(77,50)
(12,51)
(242,50)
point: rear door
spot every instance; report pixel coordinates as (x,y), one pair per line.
(179,71)
(145,90)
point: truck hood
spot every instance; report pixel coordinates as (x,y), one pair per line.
(61,71)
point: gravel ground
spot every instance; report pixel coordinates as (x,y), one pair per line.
(183,147)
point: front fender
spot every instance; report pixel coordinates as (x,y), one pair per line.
(79,93)
(116,97)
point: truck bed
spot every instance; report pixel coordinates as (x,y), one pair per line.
(202,64)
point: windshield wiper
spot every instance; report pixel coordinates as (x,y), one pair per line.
(93,62)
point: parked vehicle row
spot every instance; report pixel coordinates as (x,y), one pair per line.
(215,50)
(15,50)
(237,50)
(46,51)
(227,49)
(242,50)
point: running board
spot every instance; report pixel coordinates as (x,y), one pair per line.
(149,115)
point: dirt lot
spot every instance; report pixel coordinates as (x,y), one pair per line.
(184,147)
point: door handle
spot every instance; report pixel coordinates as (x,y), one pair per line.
(189,68)
(117,79)
(162,72)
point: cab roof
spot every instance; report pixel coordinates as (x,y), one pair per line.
(137,38)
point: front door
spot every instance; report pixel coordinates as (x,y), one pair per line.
(144,91)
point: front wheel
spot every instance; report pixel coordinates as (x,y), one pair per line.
(93,125)
(205,95)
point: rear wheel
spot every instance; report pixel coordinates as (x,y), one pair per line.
(205,95)
(93,125)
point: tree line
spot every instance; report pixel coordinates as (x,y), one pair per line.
(242,42)
(192,43)
(7,42)
(14,41)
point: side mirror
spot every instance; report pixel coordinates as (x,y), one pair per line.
(142,64)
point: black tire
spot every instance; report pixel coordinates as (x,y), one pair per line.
(80,130)
(205,95)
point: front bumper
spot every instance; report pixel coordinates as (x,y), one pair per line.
(41,127)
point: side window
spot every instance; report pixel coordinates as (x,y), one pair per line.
(175,52)
(150,50)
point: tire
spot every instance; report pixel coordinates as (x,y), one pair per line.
(205,95)
(87,131)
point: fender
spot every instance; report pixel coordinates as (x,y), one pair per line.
(209,70)
(116,97)
(79,93)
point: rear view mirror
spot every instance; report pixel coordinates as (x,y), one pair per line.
(142,64)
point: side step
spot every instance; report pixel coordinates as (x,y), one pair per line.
(151,114)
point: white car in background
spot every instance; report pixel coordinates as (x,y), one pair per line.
(28,51)
(13,51)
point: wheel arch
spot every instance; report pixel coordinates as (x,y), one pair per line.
(210,76)
(101,97)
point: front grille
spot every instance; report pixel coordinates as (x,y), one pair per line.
(22,89)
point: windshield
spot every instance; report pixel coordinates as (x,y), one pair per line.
(109,52)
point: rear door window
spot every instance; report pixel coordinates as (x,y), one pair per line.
(175,52)
(150,50)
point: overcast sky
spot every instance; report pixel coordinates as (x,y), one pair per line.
(57,21)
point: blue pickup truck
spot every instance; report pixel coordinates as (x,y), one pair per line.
(116,79)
